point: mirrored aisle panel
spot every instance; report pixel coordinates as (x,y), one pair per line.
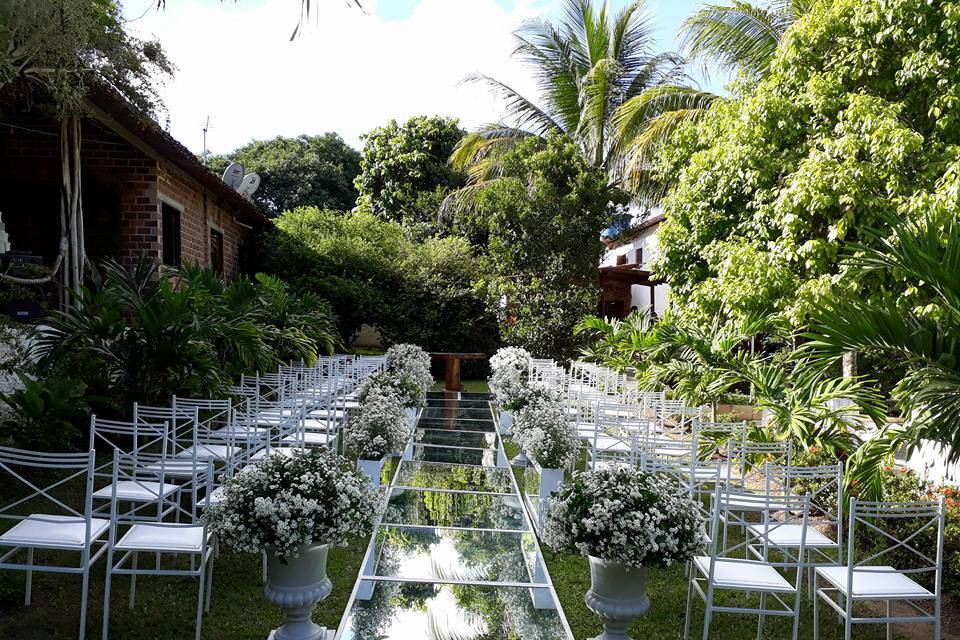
(454,555)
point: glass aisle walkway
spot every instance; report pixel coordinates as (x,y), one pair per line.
(455,557)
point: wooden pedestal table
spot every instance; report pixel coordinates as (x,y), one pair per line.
(452,374)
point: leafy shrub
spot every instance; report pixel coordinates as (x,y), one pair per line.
(133,338)
(45,413)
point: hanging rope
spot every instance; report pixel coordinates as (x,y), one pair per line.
(64,243)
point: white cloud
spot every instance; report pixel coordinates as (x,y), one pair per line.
(348,72)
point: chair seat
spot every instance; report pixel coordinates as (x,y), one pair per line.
(788,535)
(323,414)
(879,583)
(750,502)
(279,451)
(744,575)
(208,452)
(309,437)
(158,537)
(52,532)
(136,491)
(244,433)
(316,424)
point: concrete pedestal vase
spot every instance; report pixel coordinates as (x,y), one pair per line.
(617,595)
(296,585)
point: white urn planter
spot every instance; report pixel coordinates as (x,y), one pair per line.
(506,422)
(373,469)
(617,596)
(296,585)
(550,481)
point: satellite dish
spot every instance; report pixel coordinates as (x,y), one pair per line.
(249,184)
(233,175)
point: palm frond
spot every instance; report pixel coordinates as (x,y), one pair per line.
(738,37)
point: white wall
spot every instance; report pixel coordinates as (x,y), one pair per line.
(640,294)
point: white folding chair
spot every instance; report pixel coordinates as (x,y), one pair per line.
(66,529)
(144,441)
(776,575)
(863,579)
(189,538)
(824,537)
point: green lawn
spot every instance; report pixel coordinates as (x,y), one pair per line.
(469,386)
(166,606)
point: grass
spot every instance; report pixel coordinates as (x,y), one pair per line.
(469,386)
(166,606)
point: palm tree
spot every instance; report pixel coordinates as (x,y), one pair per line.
(592,71)
(926,250)
(742,36)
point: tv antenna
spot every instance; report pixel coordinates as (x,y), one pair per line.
(206,127)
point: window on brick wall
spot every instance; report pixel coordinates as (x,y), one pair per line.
(621,259)
(216,251)
(171,235)
(639,256)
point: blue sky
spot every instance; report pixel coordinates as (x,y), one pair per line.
(349,71)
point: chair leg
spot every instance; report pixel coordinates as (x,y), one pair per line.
(762,618)
(84,594)
(200,590)
(28,592)
(707,617)
(686,622)
(133,579)
(209,583)
(263,567)
(889,624)
(106,599)
(816,608)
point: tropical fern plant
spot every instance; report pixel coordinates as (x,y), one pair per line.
(926,337)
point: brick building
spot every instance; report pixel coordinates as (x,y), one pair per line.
(143,192)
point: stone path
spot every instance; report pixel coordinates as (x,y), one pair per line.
(454,557)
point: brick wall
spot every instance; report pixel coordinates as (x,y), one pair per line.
(122,196)
(201,211)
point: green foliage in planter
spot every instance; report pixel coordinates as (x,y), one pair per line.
(135,338)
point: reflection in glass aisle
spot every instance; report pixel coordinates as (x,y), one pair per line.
(454,557)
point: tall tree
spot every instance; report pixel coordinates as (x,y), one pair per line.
(601,84)
(297,172)
(405,173)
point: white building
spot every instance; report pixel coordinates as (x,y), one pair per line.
(625,273)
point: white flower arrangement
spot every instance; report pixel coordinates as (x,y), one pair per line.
(541,428)
(408,366)
(509,377)
(624,515)
(285,502)
(382,427)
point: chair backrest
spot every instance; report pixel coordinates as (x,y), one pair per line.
(714,438)
(903,549)
(748,460)
(137,436)
(777,513)
(31,469)
(183,423)
(824,483)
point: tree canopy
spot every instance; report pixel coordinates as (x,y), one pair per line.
(405,174)
(61,46)
(856,125)
(297,172)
